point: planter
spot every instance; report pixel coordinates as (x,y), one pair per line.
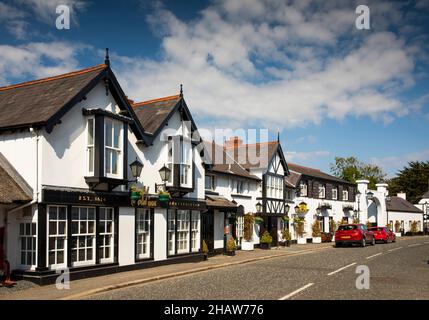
(164,197)
(317,240)
(265,246)
(247,245)
(301,241)
(205,257)
(230,253)
(135,195)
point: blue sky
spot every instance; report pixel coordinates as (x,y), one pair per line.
(300,67)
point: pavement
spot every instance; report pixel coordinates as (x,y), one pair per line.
(395,271)
(81,289)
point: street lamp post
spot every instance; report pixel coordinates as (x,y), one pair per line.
(165,174)
(136,169)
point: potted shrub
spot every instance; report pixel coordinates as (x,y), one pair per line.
(356,220)
(368,224)
(316,233)
(163,197)
(266,241)
(247,243)
(231,247)
(205,250)
(413,228)
(299,224)
(287,237)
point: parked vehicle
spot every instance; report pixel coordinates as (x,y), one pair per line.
(349,234)
(383,234)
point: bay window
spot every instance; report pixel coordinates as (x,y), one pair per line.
(57,231)
(27,237)
(112,148)
(83,236)
(90,129)
(274,187)
(186,163)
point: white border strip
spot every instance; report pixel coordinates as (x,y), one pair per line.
(296,291)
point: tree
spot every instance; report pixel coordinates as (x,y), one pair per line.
(351,169)
(413,179)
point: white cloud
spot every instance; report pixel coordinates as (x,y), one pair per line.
(37,60)
(392,163)
(18,15)
(279,63)
(295,156)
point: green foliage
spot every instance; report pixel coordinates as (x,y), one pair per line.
(351,169)
(315,227)
(368,224)
(205,248)
(356,220)
(286,235)
(332,226)
(230,245)
(413,179)
(299,226)
(266,238)
(413,228)
(248,227)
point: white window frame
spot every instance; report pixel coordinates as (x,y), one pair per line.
(304,189)
(57,236)
(103,235)
(143,234)
(171,236)
(335,193)
(239,228)
(118,150)
(212,182)
(24,237)
(90,146)
(322,191)
(183,219)
(85,235)
(195,231)
(345,195)
(185,163)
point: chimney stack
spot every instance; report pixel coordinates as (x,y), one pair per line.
(233,142)
(402,195)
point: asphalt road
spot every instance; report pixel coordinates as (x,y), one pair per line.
(396,271)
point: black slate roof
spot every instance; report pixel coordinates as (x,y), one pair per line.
(401,205)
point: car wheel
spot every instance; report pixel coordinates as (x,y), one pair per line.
(363,243)
(338,244)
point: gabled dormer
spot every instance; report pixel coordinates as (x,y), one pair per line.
(169,129)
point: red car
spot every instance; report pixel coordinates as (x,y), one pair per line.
(354,234)
(383,234)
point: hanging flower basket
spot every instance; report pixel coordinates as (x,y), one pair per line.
(164,197)
(259,220)
(285,219)
(135,195)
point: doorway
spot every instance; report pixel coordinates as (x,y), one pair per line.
(207,229)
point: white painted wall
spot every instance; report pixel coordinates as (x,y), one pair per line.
(126,236)
(64,149)
(406,217)
(160,236)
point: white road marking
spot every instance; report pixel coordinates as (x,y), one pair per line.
(374,255)
(391,250)
(427,242)
(296,291)
(415,245)
(341,269)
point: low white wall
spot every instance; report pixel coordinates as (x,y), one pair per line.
(406,217)
(126,236)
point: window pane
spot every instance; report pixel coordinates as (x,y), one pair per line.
(91,159)
(52,257)
(108,133)
(90,131)
(21,229)
(52,227)
(114,162)
(91,214)
(62,228)
(60,256)
(117,133)
(108,161)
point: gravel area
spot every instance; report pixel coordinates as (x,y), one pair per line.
(20,285)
